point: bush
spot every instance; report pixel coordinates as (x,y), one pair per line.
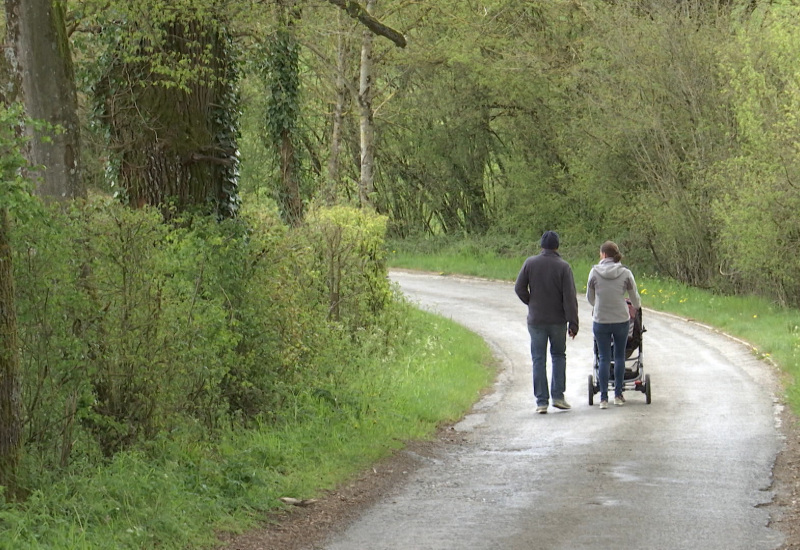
(132,328)
(348,265)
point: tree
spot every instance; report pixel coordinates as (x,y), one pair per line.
(43,63)
(472,115)
(366,185)
(10,399)
(169,100)
(281,77)
(762,206)
(337,121)
(365,17)
(286,130)
(653,86)
(39,72)
(13,196)
(363,95)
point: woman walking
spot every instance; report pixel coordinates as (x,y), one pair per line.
(609,282)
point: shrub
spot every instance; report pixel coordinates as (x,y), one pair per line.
(132,328)
(349,263)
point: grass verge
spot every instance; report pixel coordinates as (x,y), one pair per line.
(178,492)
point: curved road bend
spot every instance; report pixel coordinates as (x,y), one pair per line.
(688,471)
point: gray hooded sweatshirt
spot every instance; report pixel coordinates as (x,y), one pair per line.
(609,281)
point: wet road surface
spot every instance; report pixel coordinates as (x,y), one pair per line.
(690,470)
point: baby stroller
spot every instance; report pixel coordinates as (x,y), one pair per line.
(635,378)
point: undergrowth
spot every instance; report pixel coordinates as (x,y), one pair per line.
(178,491)
(178,379)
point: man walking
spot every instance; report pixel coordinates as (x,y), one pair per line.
(545,283)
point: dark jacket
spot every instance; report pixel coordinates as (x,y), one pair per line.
(546,284)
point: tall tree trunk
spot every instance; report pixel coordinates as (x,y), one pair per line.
(367,130)
(42,57)
(338,115)
(289,166)
(177,145)
(473,177)
(292,200)
(10,399)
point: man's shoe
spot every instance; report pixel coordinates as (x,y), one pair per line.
(541,409)
(603,404)
(561,404)
(619,400)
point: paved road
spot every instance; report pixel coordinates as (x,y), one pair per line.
(688,471)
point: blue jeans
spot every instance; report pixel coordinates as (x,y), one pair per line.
(557,335)
(604,333)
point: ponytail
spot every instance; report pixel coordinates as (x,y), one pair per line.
(611,250)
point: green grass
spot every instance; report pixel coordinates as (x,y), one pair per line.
(469,260)
(479,264)
(177,493)
(772,331)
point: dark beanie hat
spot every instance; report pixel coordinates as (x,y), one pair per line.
(550,240)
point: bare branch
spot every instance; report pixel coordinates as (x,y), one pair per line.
(357,11)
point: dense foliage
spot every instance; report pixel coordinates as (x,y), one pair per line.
(131,327)
(667,127)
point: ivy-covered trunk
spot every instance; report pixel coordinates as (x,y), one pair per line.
(175,137)
(281,76)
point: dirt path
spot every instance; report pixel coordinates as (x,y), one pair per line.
(696,465)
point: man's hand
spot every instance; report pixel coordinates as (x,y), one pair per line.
(572,330)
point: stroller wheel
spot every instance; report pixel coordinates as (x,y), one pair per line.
(647,398)
(591,390)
